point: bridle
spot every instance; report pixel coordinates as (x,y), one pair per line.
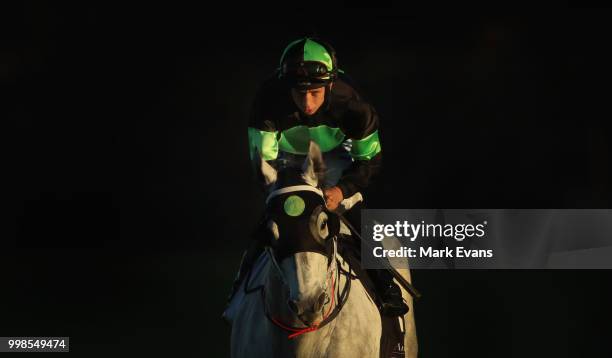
(334,270)
(294,188)
(332,276)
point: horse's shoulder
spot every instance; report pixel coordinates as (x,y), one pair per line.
(249,289)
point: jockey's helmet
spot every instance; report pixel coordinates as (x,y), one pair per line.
(308,63)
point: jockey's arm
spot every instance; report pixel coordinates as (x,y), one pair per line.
(262,136)
(361,126)
(262,142)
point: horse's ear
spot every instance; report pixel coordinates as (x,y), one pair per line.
(313,167)
(267,172)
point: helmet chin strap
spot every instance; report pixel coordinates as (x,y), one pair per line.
(328,88)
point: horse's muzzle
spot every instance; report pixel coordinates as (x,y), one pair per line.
(308,310)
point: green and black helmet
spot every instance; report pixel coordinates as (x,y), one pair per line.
(308,63)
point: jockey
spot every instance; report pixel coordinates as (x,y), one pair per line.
(309,98)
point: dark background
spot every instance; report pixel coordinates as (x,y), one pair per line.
(131,198)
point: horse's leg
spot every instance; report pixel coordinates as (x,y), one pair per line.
(403,268)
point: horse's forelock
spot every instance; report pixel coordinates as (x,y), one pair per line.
(290,177)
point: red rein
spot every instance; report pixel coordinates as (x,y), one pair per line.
(299,331)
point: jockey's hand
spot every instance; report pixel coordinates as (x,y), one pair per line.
(333,197)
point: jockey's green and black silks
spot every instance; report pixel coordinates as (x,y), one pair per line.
(295,213)
(277,127)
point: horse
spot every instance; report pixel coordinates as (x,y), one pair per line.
(303,298)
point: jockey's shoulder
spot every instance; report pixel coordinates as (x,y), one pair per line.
(346,96)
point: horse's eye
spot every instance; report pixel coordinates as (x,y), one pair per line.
(322,225)
(274,229)
(318,224)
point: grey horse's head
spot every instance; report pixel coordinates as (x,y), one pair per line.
(303,230)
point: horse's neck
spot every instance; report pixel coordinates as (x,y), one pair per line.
(345,267)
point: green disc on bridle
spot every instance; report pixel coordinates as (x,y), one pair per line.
(294,205)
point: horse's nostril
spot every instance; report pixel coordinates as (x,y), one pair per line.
(293,306)
(306,320)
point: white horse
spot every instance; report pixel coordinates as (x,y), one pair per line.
(302,299)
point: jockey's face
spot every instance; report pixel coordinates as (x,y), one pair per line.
(308,100)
